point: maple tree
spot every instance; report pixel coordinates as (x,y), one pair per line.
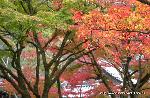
(121,34)
(35,33)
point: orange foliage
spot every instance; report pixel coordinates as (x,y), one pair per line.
(121,31)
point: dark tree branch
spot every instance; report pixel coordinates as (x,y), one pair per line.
(11,81)
(7,32)
(59,54)
(7,43)
(50,40)
(68,62)
(133,73)
(144,80)
(100,75)
(27,7)
(145,2)
(2,67)
(37,72)
(59,88)
(30,7)
(126,30)
(22,5)
(147,88)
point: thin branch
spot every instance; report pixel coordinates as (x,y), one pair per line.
(7,43)
(37,72)
(11,81)
(145,2)
(127,30)
(59,88)
(59,54)
(147,88)
(72,54)
(2,67)
(133,73)
(22,5)
(144,80)
(49,41)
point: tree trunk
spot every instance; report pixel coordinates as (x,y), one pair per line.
(46,84)
(38,96)
(133,96)
(59,88)
(26,95)
(45,95)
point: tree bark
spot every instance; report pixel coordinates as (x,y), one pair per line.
(133,96)
(47,83)
(100,75)
(59,88)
